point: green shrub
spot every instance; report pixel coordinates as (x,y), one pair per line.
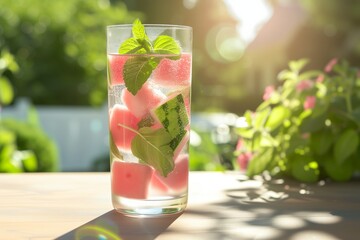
(13,160)
(31,137)
(308,127)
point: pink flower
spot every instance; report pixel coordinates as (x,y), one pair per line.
(310,102)
(243,160)
(239,144)
(303,85)
(320,78)
(329,67)
(268,92)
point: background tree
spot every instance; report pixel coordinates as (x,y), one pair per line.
(331,31)
(60,47)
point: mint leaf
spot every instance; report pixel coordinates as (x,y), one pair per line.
(138,30)
(139,43)
(152,146)
(133,46)
(130,46)
(137,70)
(166,45)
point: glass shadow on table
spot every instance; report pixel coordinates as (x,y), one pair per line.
(115,226)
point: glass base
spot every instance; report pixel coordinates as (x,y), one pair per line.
(149,207)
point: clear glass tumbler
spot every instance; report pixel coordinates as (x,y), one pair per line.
(149,91)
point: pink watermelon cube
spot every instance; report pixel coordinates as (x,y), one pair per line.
(173,72)
(144,101)
(157,186)
(116,66)
(130,180)
(177,180)
(121,119)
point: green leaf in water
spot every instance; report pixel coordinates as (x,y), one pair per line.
(137,70)
(152,146)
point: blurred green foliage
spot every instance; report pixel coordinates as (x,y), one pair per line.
(60,47)
(24,147)
(11,158)
(7,65)
(308,127)
(204,155)
(32,142)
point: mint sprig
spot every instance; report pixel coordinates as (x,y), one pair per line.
(140,44)
(166,45)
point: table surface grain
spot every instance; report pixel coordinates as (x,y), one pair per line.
(40,206)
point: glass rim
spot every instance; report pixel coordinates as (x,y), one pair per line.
(168,26)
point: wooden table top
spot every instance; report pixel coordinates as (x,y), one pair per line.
(221,206)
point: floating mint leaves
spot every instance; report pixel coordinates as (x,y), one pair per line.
(138,30)
(166,45)
(152,146)
(140,45)
(131,46)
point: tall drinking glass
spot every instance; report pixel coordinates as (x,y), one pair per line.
(149,88)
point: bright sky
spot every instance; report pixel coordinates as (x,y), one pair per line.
(251,14)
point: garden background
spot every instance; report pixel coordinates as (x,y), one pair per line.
(53,70)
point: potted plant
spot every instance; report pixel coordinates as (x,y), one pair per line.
(308,127)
